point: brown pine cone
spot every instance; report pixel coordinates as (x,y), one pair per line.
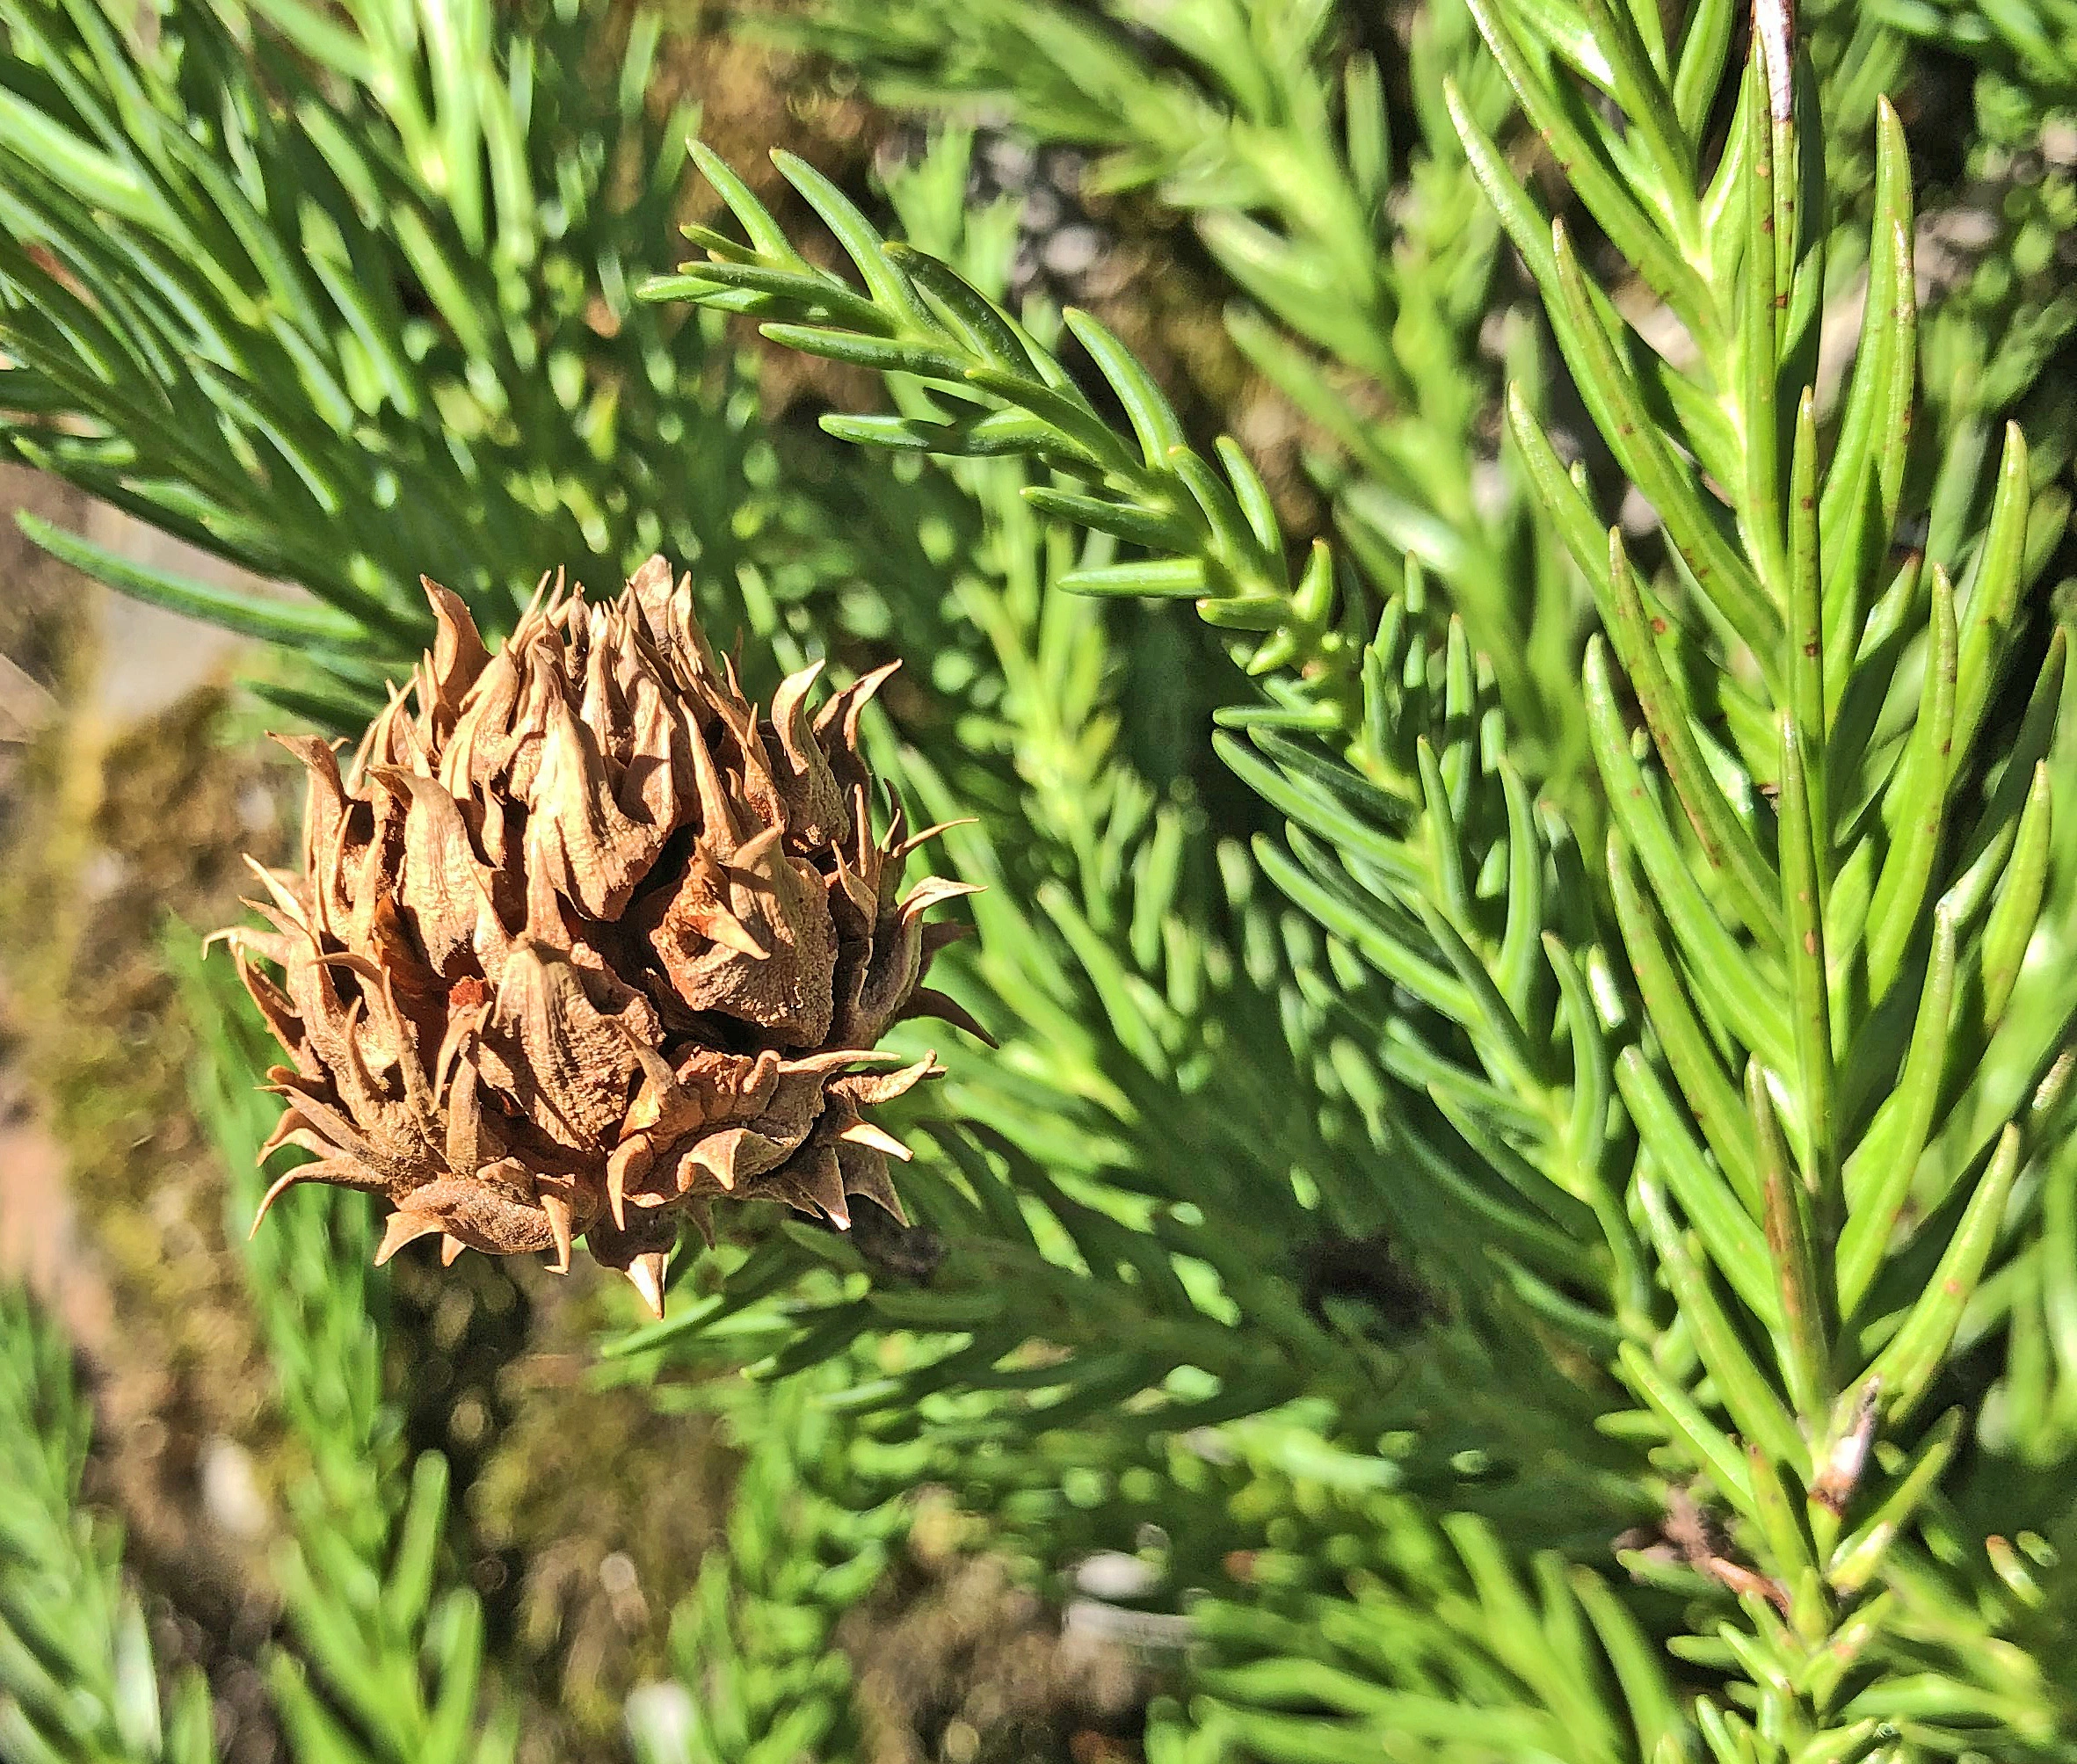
(581,942)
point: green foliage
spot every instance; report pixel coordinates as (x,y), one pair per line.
(1219,539)
(343,300)
(755,1643)
(2033,42)
(1153,1238)
(77,1675)
(1366,268)
(1425,811)
(1449,1647)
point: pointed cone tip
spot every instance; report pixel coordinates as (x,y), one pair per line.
(722,1170)
(279,1187)
(931,832)
(559,1226)
(870,1134)
(646,1275)
(403,1228)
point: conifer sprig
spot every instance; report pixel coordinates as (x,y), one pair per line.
(1362,264)
(343,301)
(284,285)
(1827,866)
(1415,845)
(759,1660)
(1431,826)
(1214,535)
(77,1679)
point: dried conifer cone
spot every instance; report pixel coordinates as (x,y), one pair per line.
(581,942)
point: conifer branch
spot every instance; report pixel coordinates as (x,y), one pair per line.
(1216,538)
(1108,1152)
(342,303)
(1365,288)
(1822,886)
(1390,751)
(755,1644)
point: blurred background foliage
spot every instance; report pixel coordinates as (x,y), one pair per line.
(1190,1420)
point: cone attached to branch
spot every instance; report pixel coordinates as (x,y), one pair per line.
(582,942)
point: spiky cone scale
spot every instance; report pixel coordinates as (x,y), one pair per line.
(581,943)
